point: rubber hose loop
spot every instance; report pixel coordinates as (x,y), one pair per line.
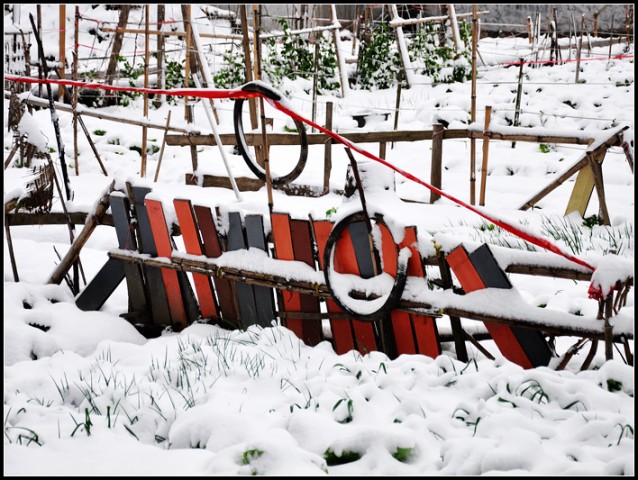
(328,259)
(257,169)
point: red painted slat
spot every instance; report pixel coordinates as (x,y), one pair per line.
(193,245)
(502,335)
(165,249)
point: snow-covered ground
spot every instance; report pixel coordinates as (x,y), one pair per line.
(86,394)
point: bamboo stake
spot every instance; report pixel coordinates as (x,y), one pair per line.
(403,49)
(186,13)
(252,103)
(455,26)
(327,156)
(486,144)
(161,155)
(259,153)
(117,44)
(580,46)
(75,91)
(62,46)
(161,75)
(473,107)
(314,86)
(40,72)
(529,29)
(204,68)
(519,93)
(341,62)
(397,104)
(146,55)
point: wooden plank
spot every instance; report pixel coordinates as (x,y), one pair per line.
(424,327)
(342,334)
(146,244)
(226,295)
(165,249)
(137,304)
(532,342)
(264,299)
(193,245)
(97,292)
(303,248)
(581,194)
(470,279)
(245,293)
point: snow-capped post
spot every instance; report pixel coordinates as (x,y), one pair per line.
(341,61)
(403,48)
(54,115)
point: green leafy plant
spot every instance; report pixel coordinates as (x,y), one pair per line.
(233,73)
(379,60)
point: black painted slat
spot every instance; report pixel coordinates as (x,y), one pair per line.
(154,281)
(263,295)
(245,293)
(97,292)
(361,243)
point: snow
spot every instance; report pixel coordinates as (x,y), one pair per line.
(85,394)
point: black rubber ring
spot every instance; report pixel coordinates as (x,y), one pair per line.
(257,169)
(399,281)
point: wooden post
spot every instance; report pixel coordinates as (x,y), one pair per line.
(186,13)
(7,229)
(437,155)
(259,150)
(473,107)
(486,144)
(62,49)
(161,75)
(161,155)
(146,55)
(403,50)
(382,149)
(327,155)
(519,93)
(529,29)
(38,9)
(608,329)
(454,26)
(75,90)
(600,189)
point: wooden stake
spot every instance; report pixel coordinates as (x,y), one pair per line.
(341,63)
(7,229)
(529,29)
(486,144)
(580,46)
(455,26)
(314,85)
(252,103)
(186,13)
(473,107)
(161,155)
(397,104)
(437,155)
(146,61)
(403,49)
(111,70)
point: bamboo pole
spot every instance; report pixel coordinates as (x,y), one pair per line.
(62,47)
(117,44)
(161,155)
(314,85)
(7,230)
(454,26)
(343,74)
(75,90)
(519,94)
(38,9)
(327,156)
(437,155)
(397,104)
(146,61)
(252,103)
(473,107)
(186,13)
(203,66)
(529,29)
(580,47)
(441,18)
(161,75)
(486,144)
(403,49)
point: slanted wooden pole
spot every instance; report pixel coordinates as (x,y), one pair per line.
(74,252)
(486,144)
(397,104)
(437,156)
(111,70)
(341,61)
(403,50)
(161,155)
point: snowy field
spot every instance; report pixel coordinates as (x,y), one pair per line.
(86,395)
